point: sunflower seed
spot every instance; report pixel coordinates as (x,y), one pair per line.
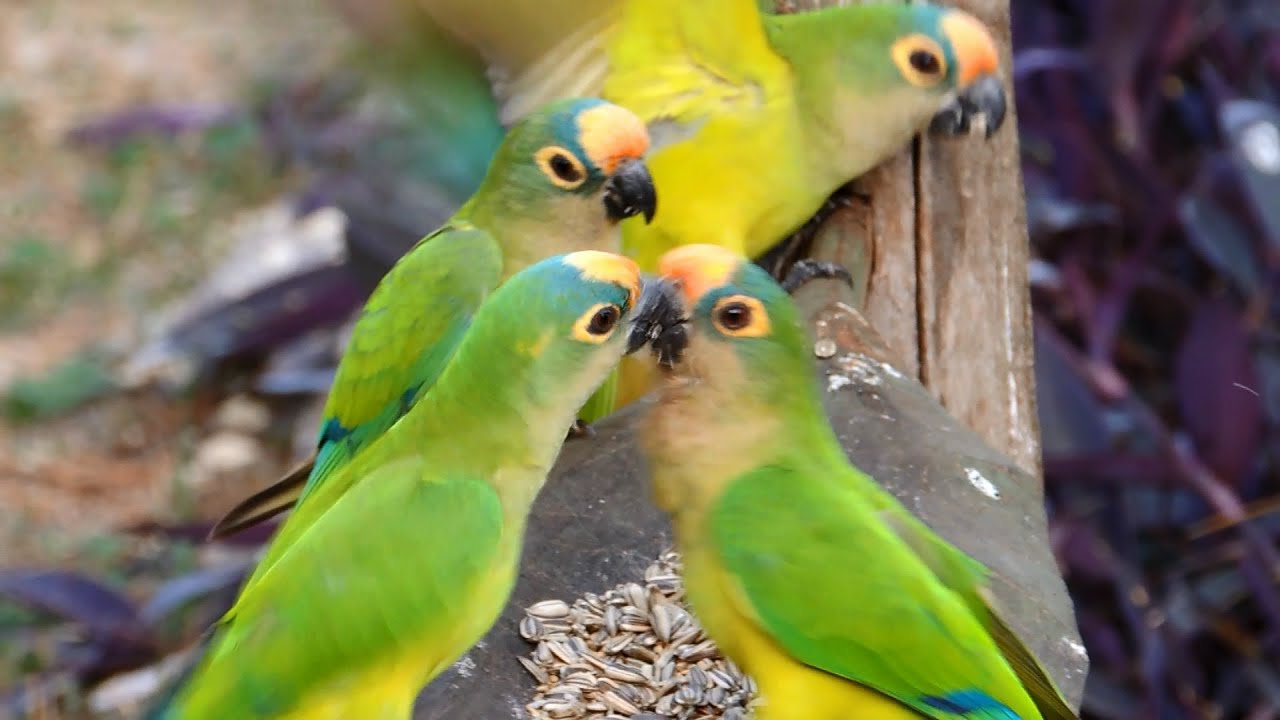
(716,697)
(660,619)
(618,704)
(549,609)
(562,652)
(616,645)
(631,653)
(561,709)
(639,652)
(531,628)
(542,654)
(689,695)
(638,596)
(618,671)
(538,673)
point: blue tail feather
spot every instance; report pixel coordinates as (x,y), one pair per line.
(971,705)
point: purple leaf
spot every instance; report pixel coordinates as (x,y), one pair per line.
(1102,637)
(1121,33)
(1222,241)
(1108,699)
(74,597)
(1267,363)
(167,120)
(117,640)
(1111,469)
(272,315)
(295,381)
(1071,416)
(302,367)
(1048,213)
(1217,394)
(181,592)
(1253,130)
(1082,551)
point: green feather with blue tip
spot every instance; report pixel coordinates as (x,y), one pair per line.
(405,555)
(811,577)
(562,180)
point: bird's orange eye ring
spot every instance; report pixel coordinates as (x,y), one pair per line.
(561,167)
(920,60)
(740,316)
(597,324)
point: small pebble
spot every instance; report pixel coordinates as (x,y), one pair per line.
(241,413)
(225,453)
(824,348)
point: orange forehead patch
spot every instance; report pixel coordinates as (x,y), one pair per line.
(611,134)
(975,49)
(699,268)
(608,267)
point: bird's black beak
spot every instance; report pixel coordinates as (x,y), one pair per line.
(659,321)
(630,192)
(984,97)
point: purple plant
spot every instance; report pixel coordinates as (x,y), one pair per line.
(1151,140)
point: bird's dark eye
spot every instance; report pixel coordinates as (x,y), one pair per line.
(564,168)
(604,320)
(925,62)
(734,316)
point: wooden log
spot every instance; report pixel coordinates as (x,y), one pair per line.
(972,258)
(948,289)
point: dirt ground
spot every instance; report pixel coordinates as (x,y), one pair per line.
(90,244)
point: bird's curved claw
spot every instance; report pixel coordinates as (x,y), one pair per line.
(580,429)
(809,269)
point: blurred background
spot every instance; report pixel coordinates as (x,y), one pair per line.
(175,284)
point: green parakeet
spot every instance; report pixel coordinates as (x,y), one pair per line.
(756,118)
(407,553)
(562,180)
(816,581)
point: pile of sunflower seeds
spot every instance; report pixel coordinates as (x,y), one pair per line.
(633,653)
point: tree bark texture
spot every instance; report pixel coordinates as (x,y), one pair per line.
(948,288)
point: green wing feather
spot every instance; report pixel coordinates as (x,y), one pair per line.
(404,337)
(660,58)
(672,59)
(968,579)
(286,637)
(843,593)
(410,326)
